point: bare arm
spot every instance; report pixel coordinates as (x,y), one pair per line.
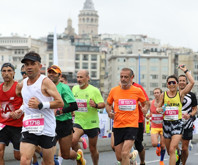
(50,88)
(94,105)
(160,104)
(189,86)
(145,107)
(108,109)
(18,89)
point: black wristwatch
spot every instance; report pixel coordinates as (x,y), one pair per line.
(40,106)
(96,106)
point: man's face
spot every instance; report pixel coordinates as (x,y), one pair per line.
(182,82)
(125,78)
(82,78)
(53,76)
(172,84)
(157,94)
(23,73)
(7,74)
(63,80)
(32,68)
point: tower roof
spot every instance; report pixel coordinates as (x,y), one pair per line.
(88,5)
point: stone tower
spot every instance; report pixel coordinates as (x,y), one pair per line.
(88,19)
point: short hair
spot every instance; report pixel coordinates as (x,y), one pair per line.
(172,76)
(157,89)
(64,76)
(8,64)
(22,66)
(128,69)
(182,75)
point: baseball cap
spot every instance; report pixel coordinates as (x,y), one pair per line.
(7,64)
(31,56)
(55,68)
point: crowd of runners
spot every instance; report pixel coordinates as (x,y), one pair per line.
(40,111)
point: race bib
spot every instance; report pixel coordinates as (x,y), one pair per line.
(127,104)
(34,123)
(82,105)
(1,126)
(157,118)
(171,113)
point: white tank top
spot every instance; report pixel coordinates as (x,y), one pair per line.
(34,90)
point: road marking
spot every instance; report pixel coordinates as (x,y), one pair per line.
(153,161)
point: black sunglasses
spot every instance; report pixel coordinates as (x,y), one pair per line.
(171,82)
(22,73)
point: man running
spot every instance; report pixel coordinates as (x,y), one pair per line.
(189,109)
(172,122)
(156,126)
(126,114)
(86,121)
(64,124)
(40,97)
(10,129)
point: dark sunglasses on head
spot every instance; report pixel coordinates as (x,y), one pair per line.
(171,82)
(22,73)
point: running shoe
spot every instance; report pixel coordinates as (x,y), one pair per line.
(81,161)
(178,156)
(84,143)
(161,162)
(133,158)
(158,150)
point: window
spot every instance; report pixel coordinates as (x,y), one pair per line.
(93,74)
(163,85)
(154,76)
(121,59)
(77,56)
(164,61)
(164,77)
(93,57)
(85,66)
(143,76)
(132,60)
(2,58)
(93,66)
(196,65)
(165,69)
(85,57)
(50,56)
(196,77)
(153,68)
(154,60)
(77,65)
(155,85)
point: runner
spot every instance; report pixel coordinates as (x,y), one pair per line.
(40,96)
(86,120)
(64,80)
(64,124)
(10,129)
(156,126)
(172,122)
(138,141)
(126,98)
(189,110)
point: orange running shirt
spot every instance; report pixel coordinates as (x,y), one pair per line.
(126,106)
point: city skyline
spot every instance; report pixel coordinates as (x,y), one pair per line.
(172,22)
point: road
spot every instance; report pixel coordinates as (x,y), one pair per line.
(108,158)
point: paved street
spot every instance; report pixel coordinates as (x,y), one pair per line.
(108,158)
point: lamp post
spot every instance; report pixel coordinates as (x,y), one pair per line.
(139,81)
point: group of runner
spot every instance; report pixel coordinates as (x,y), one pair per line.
(37,113)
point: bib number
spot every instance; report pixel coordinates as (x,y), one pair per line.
(34,123)
(82,105)
(157,118)
(171,113)
(127,104)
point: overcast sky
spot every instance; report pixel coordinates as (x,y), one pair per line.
(174,22)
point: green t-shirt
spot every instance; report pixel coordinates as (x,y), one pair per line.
(87,116)
(67,97)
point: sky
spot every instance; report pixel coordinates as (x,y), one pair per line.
(173,22)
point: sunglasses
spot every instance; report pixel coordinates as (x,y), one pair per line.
(22,73)
(171,82)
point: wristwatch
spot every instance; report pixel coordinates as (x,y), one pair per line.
(96,106)
(40,106)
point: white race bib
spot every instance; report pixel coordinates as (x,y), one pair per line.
(127,104)
(82,105)
(171,113)
(157,118)
(34,123)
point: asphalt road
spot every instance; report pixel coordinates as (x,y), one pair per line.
(108,158)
